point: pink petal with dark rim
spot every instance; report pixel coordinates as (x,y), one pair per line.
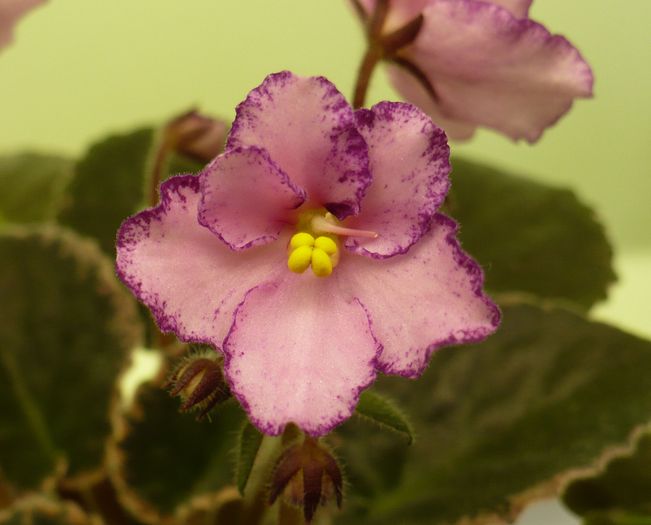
(519,8)
(411,89)
(426,299)
(308,128)
(492,69)
(301,350)
(410,164)
(190,280)
(246,199)
(11,11)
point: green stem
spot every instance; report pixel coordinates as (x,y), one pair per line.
(288,515)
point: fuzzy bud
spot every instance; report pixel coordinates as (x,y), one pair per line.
(199,381)
(307,474)
(196,136)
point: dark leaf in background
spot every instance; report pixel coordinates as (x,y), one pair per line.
(530,237)
(112,182)
(621,494)
(108,186)
(39,510)
(32,186)
(496,422)
(162,458)
(66,330)
(97,497)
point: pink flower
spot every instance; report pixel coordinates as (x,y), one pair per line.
(10,12)
(483,63)
(307,182)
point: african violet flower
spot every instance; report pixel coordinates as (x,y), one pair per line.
(10,12)
(311,252)
(483,63)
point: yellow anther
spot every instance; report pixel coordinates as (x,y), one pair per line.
(326,244)
(321,263)
(300,258)
(301,239)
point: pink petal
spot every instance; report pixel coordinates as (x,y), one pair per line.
(246,199)
(423,300)
(412,90)
(492,69)
(519,8)
(409,158)
(300,351)
(403,11)
(10,12)
(308,129)
(190,280)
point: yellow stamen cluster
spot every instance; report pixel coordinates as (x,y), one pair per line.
(321,253)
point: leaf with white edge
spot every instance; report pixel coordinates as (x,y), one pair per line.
(384,412)
(500,423)
(160,458)
(32,186)
(247,450)
(66,330)
(620,494)
(39,510)
(530,237)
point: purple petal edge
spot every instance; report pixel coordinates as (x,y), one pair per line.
(207,171)
(166,323)
(438,138)
(477,282)
(318,430)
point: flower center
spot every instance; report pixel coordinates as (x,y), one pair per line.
(316,243)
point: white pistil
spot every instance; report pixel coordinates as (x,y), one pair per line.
(323,225)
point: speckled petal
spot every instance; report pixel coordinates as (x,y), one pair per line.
(246,199)
(10,12)
(308,129)
(190,280)
(300,350)
(410,165)
(493,69)
(423,300)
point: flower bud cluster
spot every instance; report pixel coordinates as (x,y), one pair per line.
(199,381)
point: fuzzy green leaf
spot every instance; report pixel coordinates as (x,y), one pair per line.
(530,237)
(111,182)
(385,413)
(32,186)
(248,446)
(108,186)
(619,494)
(166,458)
(549,393)
(66,329)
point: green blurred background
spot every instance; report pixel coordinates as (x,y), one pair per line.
(80,69)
